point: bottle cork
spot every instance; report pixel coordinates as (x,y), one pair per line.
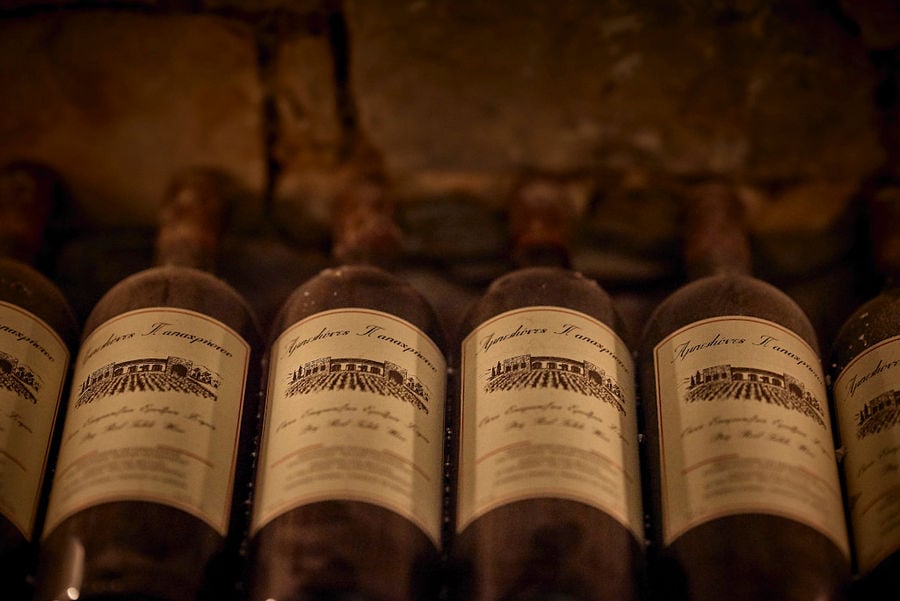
(28,192)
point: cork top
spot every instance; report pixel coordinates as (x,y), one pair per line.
(714,229)
(191,220)
(541,213)
(363,226)
(28,192)
(883,209)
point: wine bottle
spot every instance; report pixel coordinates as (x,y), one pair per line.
(149,499)
(349,489)
(548,502)
(38,331)
(865,380)
(742,472)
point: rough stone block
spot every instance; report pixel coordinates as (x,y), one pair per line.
(118,102)
(308,138)
(37,6)
(304,94)
(256,7)
(878,21)
(765,91)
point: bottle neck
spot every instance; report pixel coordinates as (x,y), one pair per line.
(363,227)
(547,256)
(191,220)
(27,194)
(540,217)
(715,235)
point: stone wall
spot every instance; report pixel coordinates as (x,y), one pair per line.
(794,103)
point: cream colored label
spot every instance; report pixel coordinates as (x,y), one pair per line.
(744,427)
(867,403)
(154,415)
(356,412)
(548,410)
(33,364)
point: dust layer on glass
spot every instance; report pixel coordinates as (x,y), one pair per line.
(744,427)
(548,411)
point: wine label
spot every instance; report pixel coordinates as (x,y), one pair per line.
(548,411)
(33,367)
(744,427)
(154,415)
(867,405)
(355,412)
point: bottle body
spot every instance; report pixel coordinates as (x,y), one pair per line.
(547,407)
(865,354)
(741,473)
(38,331)
(150,495)
(349,483)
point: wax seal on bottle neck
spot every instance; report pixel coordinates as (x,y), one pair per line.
(27,195)
(192,217)
(363,226)
(715,235)
(540,213)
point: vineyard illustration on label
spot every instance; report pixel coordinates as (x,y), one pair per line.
(18,378)
(726,382)
(354,373)
(581,377)
(878,414)
(170,374)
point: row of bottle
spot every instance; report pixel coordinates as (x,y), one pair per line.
(523,479)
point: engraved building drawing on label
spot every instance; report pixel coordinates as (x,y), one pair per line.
(723,382)
(384,378)
(152,374)
(18,378)
(582,377)
(879,414)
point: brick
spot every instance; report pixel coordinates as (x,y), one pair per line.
(765,92)
(457,230)
(810,207)
(878,21)
(309,138)
(264,6)
(37,6)
(302,86)
(117,102)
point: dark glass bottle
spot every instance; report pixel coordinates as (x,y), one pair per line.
(149,499)
(350,479)
(742,477)
(38,332)
(865,373)
(548,499)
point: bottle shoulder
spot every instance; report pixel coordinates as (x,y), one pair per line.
(359,286)
(726,295)
(24,286)
(544,286)
(178,287)
(874,321)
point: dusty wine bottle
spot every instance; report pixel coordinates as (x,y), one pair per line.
(149,498)
(865,383)
(743,481)
(38,331)
(548,502)
(349,490)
